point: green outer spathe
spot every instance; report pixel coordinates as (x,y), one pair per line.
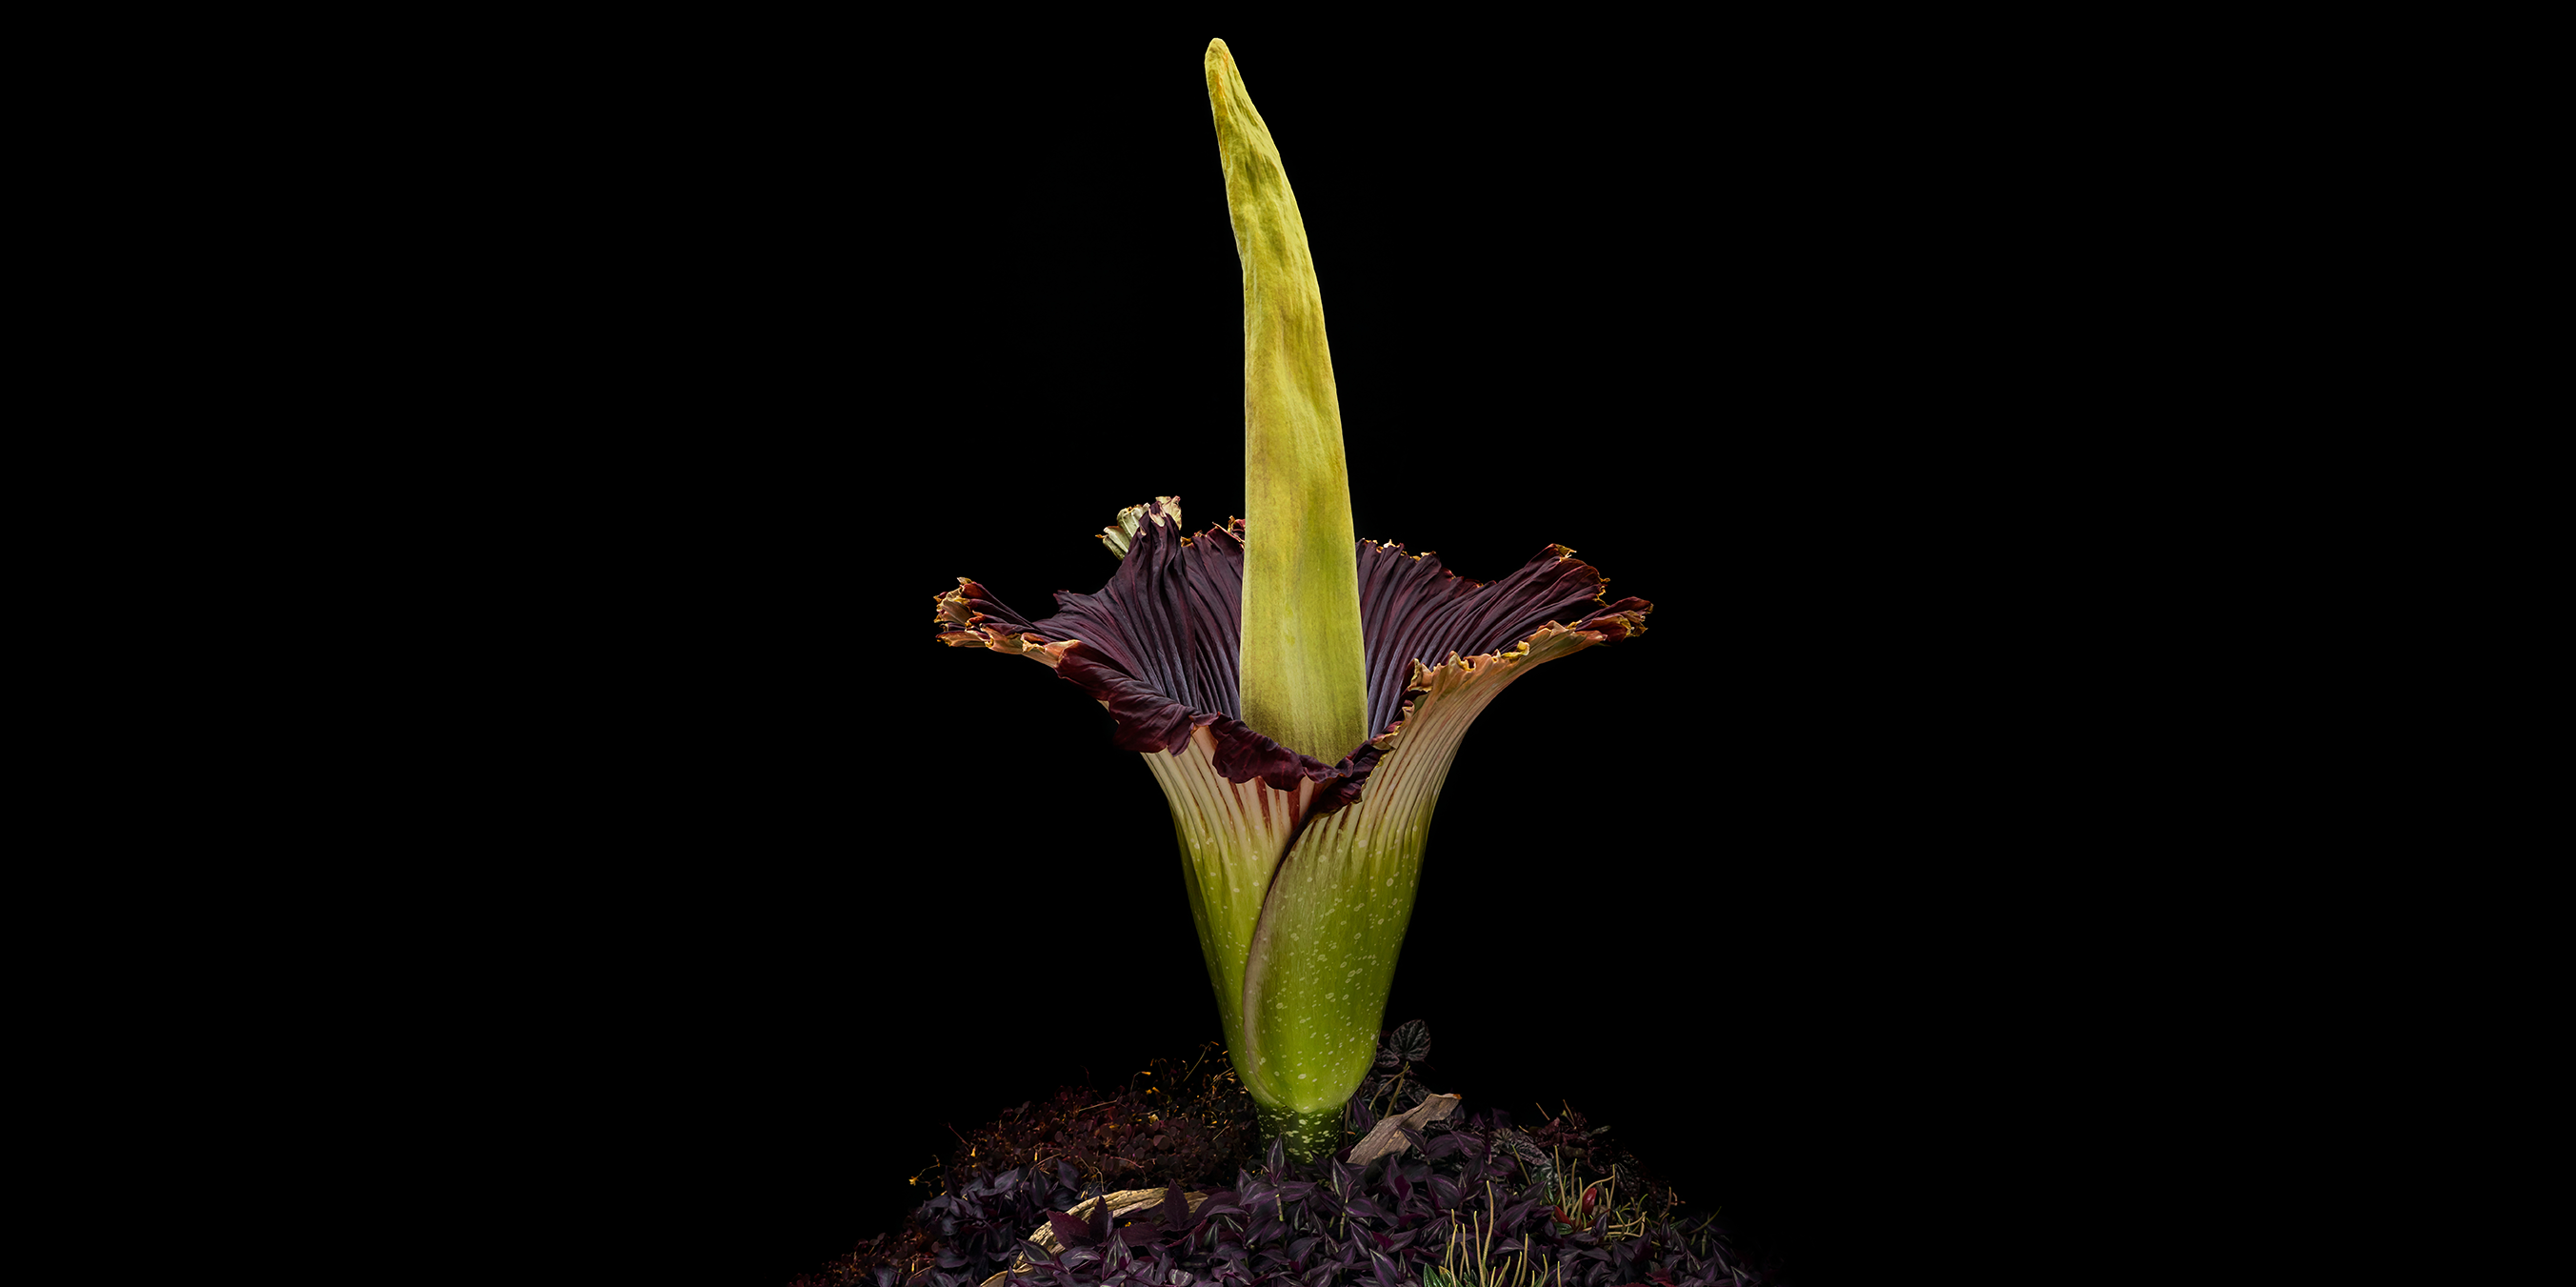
(1301,941)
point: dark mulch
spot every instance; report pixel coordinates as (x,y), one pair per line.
(1493,1204)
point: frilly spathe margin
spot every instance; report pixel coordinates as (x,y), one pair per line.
(1156,645)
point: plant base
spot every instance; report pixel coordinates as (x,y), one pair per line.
(1307,1135)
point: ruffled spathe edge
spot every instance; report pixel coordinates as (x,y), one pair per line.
(1148,721)
(1173,580)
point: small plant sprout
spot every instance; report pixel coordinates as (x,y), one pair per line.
(1470,1260)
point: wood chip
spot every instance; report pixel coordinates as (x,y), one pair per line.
(1123,1203)
(1386,1138)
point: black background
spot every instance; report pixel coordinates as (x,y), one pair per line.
(941,307)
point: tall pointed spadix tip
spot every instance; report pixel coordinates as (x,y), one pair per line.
(1303,677)
(1225,80)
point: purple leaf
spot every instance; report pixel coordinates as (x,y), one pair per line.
(1068,1231)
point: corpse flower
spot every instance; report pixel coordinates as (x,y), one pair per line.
(1298,693)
